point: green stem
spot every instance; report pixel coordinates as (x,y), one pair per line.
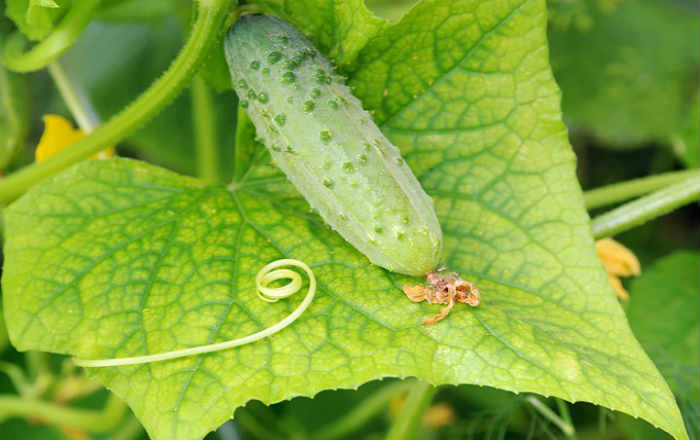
(247,421)
(363,412)
(566,416)
(646,208)
(408,420)
(75,98)
(62,37)
(37,363)
(104,420)
(16,376)
(204,33)
(204,124)
(12,116)
(548,414)
(245,145)
(129,431)
(620,192)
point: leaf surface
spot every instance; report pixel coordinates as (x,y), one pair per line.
(118,258)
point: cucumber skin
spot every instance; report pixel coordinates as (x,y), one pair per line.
(328,146)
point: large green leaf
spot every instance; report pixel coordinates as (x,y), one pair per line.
(631,77)
(119,258)
(664,315)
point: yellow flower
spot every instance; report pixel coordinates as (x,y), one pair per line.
(59,134)
(618,261)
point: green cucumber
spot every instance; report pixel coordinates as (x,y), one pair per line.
(319,135)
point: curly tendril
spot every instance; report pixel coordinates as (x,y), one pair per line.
(62,37)
(265,277)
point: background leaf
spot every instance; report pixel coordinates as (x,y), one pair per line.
(117,258)
(617,75)
(664,315)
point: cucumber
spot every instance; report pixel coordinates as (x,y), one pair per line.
(319,135)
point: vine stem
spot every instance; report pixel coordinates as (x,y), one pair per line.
(205,31)
(204,124)
(363,412)
(550,415)
(103,420)
(62,37)
(247,421)
(75,98)
(646,208)
(408,420)
(566,416)
(620,192)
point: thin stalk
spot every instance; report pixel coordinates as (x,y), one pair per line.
(247,421)
(647,208)
(16,376)
(620,192)
(363,412)
(566,416)
(37,363)
(49,49)
(550,415)
(204,33)
(228,431)
(409,418)
(129,431)
(100,421)
(204,124)
(245,146)
(75,98)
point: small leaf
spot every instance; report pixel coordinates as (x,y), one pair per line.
(664,315)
